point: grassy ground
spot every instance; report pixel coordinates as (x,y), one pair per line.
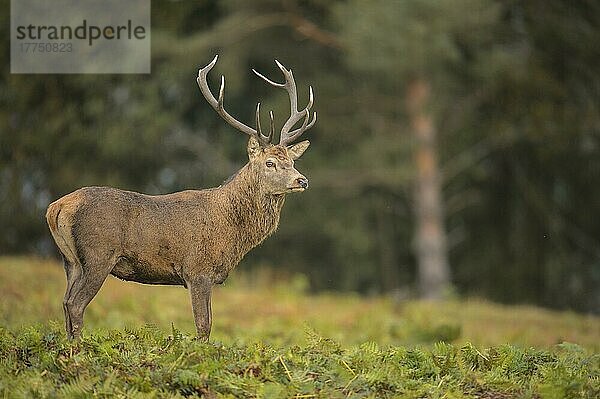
(270,339)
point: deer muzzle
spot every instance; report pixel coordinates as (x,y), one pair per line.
(302,182)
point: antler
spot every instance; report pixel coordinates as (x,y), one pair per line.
(288,136)
(218,106)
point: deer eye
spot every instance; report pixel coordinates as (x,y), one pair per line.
(270,164)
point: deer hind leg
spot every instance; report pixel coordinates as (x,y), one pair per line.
(84,288)
(73,272)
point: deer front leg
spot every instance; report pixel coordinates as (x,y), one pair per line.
(200,290)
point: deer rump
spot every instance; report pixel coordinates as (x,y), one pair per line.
(133,236)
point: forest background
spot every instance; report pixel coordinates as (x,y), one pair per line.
(457,151)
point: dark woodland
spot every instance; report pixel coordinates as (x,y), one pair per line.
(457,151)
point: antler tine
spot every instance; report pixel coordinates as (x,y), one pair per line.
(258,129)
(264,139)
(310,98)
(221,94)
(288,137)
(218,104)
(269,81)
(290,86)
(272,128)
(293,135)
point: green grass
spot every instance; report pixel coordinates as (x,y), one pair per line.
(271,339)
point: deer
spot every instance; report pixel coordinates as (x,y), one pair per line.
(191,238)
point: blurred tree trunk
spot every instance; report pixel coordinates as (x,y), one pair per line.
(389,273)
(430,236)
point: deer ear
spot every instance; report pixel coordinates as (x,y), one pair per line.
(297,150)
(253,147)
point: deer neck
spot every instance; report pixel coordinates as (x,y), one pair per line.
(254,213)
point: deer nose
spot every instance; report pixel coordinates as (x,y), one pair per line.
(303,182)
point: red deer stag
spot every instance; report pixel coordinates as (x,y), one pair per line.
(192,238)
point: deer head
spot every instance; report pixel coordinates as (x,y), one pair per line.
(273,164)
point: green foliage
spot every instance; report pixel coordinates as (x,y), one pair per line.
(38,362)
(417,37)
(272,340)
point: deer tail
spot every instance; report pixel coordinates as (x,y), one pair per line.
(59,217)
(52,216)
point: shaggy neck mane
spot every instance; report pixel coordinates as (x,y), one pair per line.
(253,211)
